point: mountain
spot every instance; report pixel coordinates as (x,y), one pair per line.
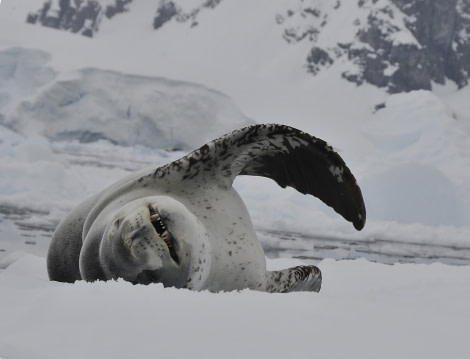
(393,44)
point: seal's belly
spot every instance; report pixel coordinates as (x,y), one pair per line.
(238,259)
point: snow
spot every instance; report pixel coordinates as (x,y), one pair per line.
(423,144)
(409,157)
(364,310)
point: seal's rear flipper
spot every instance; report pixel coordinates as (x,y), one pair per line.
(295,279)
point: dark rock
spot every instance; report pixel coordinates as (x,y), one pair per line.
(440,52)
(212,3)
(77,16)
(414,71)
(32,18)
(119,7)
(317,59)
(87,13)
(165,13)
(168,10)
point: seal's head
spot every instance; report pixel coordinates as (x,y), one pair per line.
(156,239)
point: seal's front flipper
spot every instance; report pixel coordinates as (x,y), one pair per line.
(295,279)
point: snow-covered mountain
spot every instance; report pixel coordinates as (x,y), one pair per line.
(396,44)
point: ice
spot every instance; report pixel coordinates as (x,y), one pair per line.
(417,175)
(94,104)
(369,308)
(414,193)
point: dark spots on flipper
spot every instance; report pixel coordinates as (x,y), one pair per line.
(205,149)
(193,161)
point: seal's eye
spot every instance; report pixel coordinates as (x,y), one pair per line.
(162,231)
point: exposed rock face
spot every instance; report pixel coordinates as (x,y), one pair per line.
(165,13)
(441,49)
(443,30)
(78,16)
(402,45)
(168,10)
(84,16)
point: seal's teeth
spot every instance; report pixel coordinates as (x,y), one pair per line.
(155,217)
(162,231)
(158,224)
(165,236)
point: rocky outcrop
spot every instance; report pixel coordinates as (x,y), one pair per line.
(442,28)
(441,49)
(168,10)
(399,45)
(165,13)
(78,16)
(402,45)
(84,16)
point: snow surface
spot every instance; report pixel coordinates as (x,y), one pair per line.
(410,158)
(365,310)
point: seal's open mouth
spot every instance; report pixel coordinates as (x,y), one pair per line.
(163,232)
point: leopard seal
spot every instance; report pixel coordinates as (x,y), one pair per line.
(183,224)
